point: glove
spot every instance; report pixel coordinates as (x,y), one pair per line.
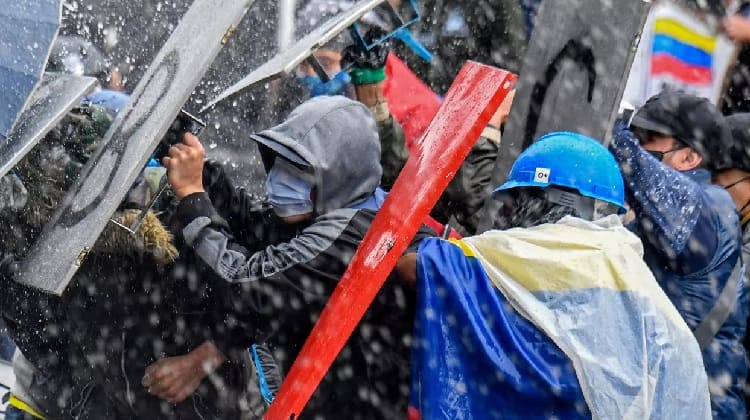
(367,66)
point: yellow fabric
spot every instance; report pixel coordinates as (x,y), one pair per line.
(15,402)
(745,219)
(677,30)
(570,255)
(604,310)
(465,248)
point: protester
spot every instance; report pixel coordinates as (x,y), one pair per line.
(375,77)
(460,204)
(735,179)
(276,289)
(82,351)
(737,28)
(37,320)
(690,229)
(556,317)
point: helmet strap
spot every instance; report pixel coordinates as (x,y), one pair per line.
(583,205)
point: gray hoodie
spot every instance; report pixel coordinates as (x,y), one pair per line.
(274,291)
(337,137)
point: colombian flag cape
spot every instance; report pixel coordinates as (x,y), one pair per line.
(557,321)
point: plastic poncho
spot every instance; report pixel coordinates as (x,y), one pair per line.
(557,321)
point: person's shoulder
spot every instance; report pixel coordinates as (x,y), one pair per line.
(718,198)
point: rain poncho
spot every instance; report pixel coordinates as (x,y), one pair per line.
(556,321)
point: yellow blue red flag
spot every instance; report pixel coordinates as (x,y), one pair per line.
(557,321)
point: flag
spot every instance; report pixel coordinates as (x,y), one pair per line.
(411,102)
(681,52)
(557,321)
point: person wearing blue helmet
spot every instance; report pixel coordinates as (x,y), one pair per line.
(690,229)
(555,316)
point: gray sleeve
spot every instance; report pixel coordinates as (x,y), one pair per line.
(217,248)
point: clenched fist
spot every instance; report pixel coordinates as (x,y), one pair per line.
(184,164)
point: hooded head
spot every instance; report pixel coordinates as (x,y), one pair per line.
(683,131)
(329,144)
(735,177)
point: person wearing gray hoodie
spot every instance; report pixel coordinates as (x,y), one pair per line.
(323,179)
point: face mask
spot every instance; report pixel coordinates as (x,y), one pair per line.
(289,189)
(335,86)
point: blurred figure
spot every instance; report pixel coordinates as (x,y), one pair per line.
(492,32)
(735,178)
(13,197)
(737,28)
(690,229)
(75,55)
(524,322)
(390,84)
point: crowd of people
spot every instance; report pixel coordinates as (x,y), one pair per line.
(613,284)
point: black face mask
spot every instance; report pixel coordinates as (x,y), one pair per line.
(660,155)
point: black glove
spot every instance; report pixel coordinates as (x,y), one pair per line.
(367,66)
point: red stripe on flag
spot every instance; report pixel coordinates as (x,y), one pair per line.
(475,95)
(662,64)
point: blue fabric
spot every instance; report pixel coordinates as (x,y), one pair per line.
(474,357)
(692,241)
(7,346)
(265,390)
(374,202)
(530,9)
(335,86)
(289,189)
(12,413)
(109,99)
(686,53)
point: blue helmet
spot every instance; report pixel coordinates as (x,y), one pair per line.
(569,160)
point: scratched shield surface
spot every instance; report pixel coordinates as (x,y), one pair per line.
(53,98)
(128,144)
(572,77)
